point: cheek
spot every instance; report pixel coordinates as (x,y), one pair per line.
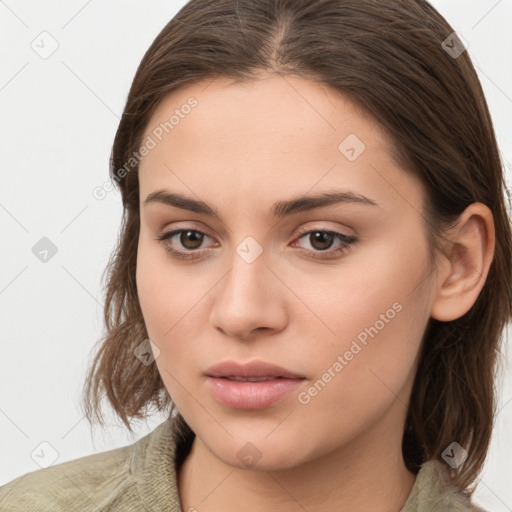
(365,372)
(167,316)
(376,293)
(151,288)
(376,310)
(170,299)
(164,291)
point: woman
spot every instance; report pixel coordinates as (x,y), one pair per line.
(313,272)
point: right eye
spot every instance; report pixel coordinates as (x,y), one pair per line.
(190,240)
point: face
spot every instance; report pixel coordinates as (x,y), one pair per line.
(336,292)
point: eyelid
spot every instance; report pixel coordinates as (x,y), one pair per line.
(338,231)
(178,227)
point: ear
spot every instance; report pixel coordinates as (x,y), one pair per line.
(464,264)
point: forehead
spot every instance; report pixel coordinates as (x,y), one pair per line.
(270,135)
(288,106)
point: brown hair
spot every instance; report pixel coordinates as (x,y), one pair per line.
(388,58)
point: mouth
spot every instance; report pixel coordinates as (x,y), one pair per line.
(253,371)
(256,385)
(251,379)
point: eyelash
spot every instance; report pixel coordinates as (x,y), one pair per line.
(187,255)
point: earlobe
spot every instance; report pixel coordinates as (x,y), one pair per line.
(467,261)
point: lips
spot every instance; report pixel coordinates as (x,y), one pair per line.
(255,371)
(254,385)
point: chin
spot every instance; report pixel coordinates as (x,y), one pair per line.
(260,453)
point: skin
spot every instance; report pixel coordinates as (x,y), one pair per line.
(241,149)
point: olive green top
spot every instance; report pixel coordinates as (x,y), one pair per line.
(142,477)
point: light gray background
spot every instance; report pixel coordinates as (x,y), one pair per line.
(59,117)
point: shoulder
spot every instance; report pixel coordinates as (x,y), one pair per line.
(90,483)
(72,485)
(433,490)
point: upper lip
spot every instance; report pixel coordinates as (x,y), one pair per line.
(251,369)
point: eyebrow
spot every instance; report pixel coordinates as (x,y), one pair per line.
(279,210)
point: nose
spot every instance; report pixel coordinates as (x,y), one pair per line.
(250,298)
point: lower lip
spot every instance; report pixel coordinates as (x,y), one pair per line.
(251,395)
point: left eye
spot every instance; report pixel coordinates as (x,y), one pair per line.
(322,240)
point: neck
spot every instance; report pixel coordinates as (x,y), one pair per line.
(365,474)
